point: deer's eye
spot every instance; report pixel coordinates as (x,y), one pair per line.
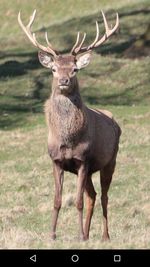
(75,70)
(53,70)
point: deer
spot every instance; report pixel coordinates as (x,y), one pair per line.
(81,140)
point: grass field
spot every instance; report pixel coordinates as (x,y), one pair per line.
(112,81)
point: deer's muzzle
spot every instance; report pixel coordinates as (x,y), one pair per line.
(64,82)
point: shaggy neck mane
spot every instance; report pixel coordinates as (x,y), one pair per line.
(67,118)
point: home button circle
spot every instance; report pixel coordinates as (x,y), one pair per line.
(75,258)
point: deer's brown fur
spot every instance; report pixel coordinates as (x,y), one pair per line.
(71,123)
(81,136)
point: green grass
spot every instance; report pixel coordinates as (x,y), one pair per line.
(112,81)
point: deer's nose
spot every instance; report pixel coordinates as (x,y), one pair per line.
(64,81)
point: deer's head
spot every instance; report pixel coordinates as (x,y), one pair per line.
(65,67)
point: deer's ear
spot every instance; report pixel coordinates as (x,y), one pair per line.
(83,60)
(45,59)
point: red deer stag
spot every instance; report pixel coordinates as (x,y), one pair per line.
(81,140)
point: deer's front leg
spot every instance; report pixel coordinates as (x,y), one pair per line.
(58,176)
(81,181)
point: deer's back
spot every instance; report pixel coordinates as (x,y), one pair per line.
(104,133)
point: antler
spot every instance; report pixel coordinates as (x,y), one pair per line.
(78,49)
(32,38)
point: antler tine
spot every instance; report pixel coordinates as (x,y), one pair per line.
(108,32)
(105,22)
(42,47)
(76,43)
(46,37)
(81,43)
(26,29)
(77,49)
(96,38)
(32,38)
(31,19)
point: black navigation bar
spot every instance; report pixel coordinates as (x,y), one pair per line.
(75,257)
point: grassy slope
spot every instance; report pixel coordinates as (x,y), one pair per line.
(118,83)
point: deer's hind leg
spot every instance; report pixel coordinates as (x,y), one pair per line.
(105,178)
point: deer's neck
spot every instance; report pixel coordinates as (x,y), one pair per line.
(67,118)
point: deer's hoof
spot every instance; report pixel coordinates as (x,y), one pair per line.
(53,236)
(82,238)
(105,238)
(85,238)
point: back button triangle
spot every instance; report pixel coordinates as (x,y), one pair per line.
(33,258)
